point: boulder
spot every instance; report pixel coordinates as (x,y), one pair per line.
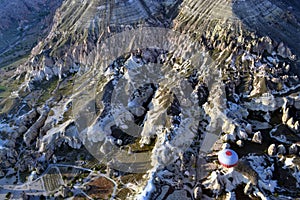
(248,129)
(272,150)
(257,137)
(240,143)
(242,135)
(293,149)
(281,149)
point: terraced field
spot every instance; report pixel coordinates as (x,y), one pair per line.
(52,180)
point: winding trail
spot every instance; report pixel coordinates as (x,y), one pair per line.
(38,187)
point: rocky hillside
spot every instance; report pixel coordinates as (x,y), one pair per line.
(145,93)
(22,24)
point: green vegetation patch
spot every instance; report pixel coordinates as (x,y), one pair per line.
(2,88)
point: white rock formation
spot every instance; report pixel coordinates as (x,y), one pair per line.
(65,133)
(33,131)
(248,129)
(229,137)
(293,149)
(272,150)
(257,137)
(240,143)
(198,193)
(285,115)
(242,135)
(225,146)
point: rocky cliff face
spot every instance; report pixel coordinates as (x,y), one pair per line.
(277,19)
(80,26)
(158,87)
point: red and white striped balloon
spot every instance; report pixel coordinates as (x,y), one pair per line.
(228,158)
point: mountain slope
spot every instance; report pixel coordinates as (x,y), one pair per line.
(23,23)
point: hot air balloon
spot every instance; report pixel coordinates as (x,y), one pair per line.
(228,158)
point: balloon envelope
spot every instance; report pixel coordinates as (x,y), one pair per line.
(228,158)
